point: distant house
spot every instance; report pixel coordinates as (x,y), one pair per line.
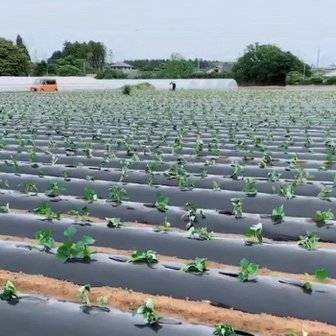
(220,67)
(121,66)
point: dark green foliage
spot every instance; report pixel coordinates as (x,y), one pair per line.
(69,70)
(13,60)
(126,90)
(330,80)
(147,310)
(9,293)
(110,74)
(267,65)
(81,249)
(20,44)
(176,69)
(198,266)
(149,257)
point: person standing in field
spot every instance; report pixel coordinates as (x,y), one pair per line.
(173,85)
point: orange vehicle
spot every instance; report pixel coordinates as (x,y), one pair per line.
(44,85)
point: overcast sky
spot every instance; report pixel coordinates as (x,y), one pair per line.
(212,29)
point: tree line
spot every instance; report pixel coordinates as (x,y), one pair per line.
(260,64)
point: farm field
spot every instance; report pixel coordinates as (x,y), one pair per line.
(215,207)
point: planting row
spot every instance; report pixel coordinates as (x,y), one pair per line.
(244,291)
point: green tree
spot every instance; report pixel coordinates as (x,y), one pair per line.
(13,60)
(267,64)
(69,70)
(91,55)
(176,69)
(22,46)
(40,69)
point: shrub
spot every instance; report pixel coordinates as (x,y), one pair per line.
(316,79)
(128,89)
(294,78)
(69,70)
(110,74)
(330,80)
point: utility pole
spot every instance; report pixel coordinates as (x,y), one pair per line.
(318,57)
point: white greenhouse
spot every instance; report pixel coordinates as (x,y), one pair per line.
(88,83)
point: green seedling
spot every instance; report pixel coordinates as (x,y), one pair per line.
(249,271)
(325,193)
(224,330)
(5,208)
(4,184)
(204,172)
(45,210)
(267,158)
(287,191)
(162,202)
(55,190)
(193,213)
(237,207)
(147,310)
(149,257)
(66,176)
(118,194)
(200,233)
(45,239)
(185,183)
(84,293)
(322,275)
(82,215)
(33,158)
(124,169)
(216,186)
(81,249)
(54,160)
(151,167)
(309,241)
(90,178)
(28,188)
(151,181)
(177,145)
(323,216)
(278,214)
(198,266)
(302,177)
(114,223)
(238,171)
(307,287)
(165,227)
(209,162)
(13,163)
(251,187)
(9,292)
(90,195)
(176,171)
(199,147)
(254,234)
(273,176)
(87,149)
